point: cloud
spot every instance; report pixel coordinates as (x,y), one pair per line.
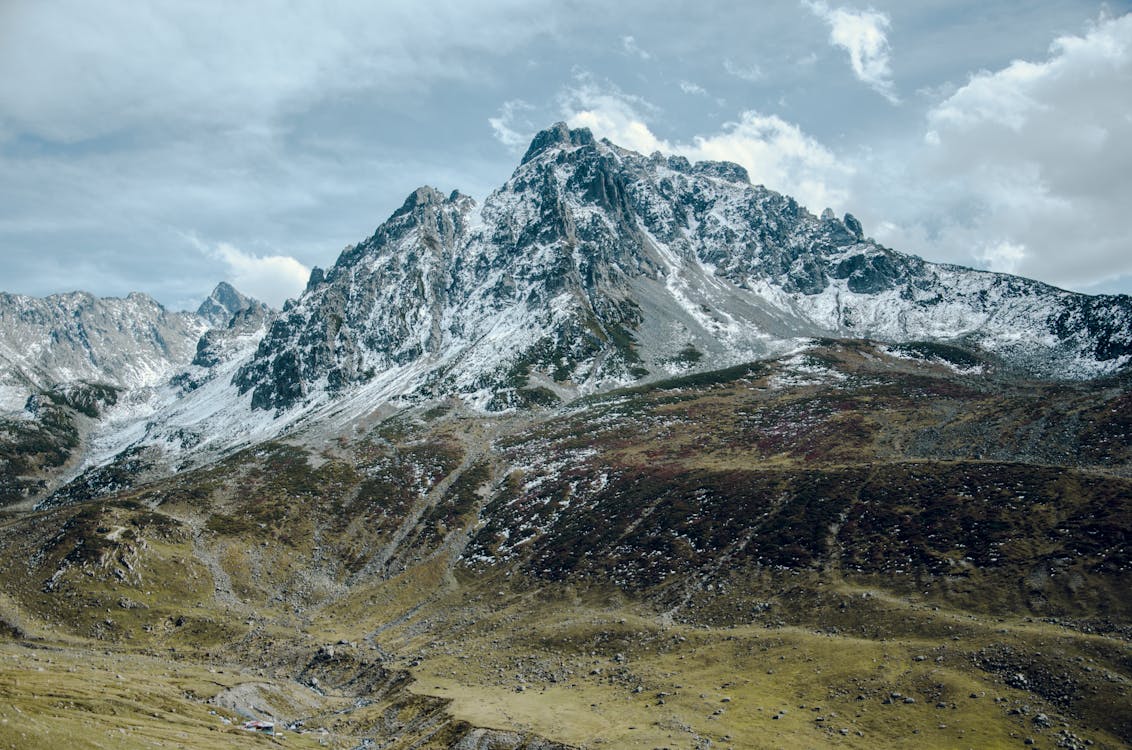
(1003,256)
(863,34)
(72,70)
(630,46)
(609,113)
(776,153)
(503,126)
(270,278)
(781,156)
(282,126)
(749,73)
(693,88)
(1026,168)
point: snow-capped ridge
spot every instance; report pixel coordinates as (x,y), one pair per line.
(128,342)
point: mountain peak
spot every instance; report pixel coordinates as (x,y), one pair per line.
(557,135)
(422,196)
(224,302)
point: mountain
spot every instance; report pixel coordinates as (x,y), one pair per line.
(224,302)
(594,266)
(127,343)
(78,370)
(591,268)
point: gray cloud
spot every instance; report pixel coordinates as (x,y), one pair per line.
(1026,169)
(89,69)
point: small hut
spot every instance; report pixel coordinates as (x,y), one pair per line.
(260,727)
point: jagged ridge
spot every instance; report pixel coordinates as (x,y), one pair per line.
(595,266)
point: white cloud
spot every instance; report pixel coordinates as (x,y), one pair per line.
(270,278)
(776,153)
(609,113)
(749,73)
(863,34)
(1026,169)
(503,126)
(693,88)
(630,46)
(1002,256)
(781,156)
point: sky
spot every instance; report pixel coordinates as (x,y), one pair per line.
(164,146)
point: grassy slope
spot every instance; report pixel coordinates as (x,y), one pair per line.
(757,536)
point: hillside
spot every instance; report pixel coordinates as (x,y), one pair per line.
(857,545)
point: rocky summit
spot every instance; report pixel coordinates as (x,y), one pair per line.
(634,454)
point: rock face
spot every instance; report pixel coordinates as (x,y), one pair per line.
(72,338)
(595,266)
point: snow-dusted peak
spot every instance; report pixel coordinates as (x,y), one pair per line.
(556,138)
(594,265)
(224,302)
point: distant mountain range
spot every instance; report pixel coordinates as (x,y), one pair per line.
(77,337)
